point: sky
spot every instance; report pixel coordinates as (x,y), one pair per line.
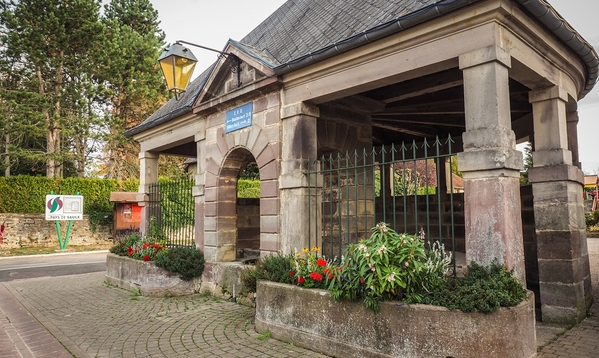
(212,23)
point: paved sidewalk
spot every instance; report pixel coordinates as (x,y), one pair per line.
(92,319)
(80,316)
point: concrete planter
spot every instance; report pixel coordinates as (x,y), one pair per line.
(151,280)
(312,319)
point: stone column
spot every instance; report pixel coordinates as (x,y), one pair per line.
(572,120)
(490,163)
(198,190)
(299,143)
(564,274)
(148,168)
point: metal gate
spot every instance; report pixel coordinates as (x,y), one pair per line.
(411,187)
(173,207)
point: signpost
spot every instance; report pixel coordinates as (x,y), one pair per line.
(64,207)
(239,117)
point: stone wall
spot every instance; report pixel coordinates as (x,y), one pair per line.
(33,230)
(311,318)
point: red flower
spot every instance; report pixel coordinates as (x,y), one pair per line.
(291,274)
(129,251)
(300,280)
(361,280)
(321,262)
(316,276)
(147,258)
(145,246)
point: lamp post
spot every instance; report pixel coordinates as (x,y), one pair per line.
(177,64)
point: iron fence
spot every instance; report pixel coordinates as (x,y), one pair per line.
(172,205)
(411,187)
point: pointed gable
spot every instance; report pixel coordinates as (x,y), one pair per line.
(241,65)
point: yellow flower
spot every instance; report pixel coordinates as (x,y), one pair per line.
(298,255)
(315,248)
(305,249)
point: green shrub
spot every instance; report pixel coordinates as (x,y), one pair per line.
(483,289)
(24,194)
(188,262)
(276,268)
(392,266)
(248,188)
(388,266)
(592,219)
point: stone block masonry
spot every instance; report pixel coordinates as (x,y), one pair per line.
(35,230)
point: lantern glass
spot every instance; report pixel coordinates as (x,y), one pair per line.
(177,65)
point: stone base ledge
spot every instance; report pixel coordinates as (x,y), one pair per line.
(146,277)
(221,279)
(310,318)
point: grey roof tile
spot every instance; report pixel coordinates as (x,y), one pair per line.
(303,27)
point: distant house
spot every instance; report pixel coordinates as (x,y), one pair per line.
(590,193)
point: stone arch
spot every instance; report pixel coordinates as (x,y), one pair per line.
(228,220)
(226,154)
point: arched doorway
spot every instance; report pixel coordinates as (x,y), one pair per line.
(238,217)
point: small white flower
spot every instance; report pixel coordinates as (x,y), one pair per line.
(391,277)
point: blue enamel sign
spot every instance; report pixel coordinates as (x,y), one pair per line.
(239,117)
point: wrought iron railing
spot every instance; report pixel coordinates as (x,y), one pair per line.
(411,187)
(172,204)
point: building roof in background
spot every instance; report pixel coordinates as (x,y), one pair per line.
(302,32)
(590,181)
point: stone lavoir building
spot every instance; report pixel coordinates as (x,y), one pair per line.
(328,77)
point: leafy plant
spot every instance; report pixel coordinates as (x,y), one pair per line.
(123,243)
(387,266)
(188,262)
(592,219)
(248,188)
(272,267)
(483,289)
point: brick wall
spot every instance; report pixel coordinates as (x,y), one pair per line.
(34,230)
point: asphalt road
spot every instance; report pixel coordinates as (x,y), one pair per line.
(22,267)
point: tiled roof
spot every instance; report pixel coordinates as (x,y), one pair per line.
(296,29)
(300,27)
(305,31)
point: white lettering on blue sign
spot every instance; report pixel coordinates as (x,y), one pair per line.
(239,117)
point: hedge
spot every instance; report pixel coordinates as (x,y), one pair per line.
(248,188)
(27,194)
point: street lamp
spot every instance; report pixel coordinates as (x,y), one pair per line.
(177,64)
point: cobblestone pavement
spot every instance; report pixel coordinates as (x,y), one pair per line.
(81,316)
(92,319)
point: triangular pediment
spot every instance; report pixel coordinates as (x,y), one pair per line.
(239,67)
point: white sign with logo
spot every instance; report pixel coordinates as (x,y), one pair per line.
(64,207)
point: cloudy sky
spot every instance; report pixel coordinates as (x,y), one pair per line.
(212,22)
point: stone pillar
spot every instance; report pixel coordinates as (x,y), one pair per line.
(299,143)
(148,168)
(490,163)
(198,190)
(564,273)
(572,120)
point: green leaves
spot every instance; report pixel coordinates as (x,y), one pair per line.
(27,194)
(73,81)
(387,266)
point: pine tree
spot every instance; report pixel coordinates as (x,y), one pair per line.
(49,43)
(136,89)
